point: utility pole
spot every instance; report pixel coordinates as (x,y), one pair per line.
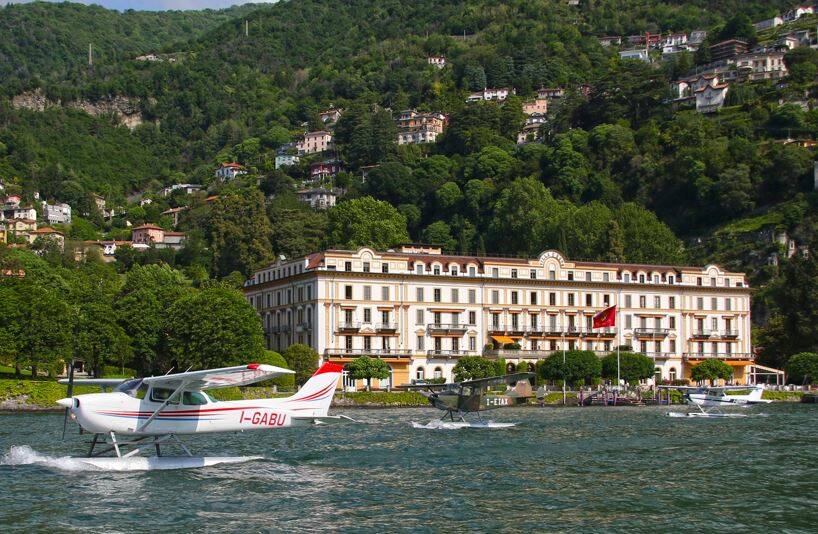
(246,28)
(90,56)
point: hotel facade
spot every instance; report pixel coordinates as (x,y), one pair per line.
(420,310)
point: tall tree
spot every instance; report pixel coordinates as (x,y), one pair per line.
(366,222)
(239,233)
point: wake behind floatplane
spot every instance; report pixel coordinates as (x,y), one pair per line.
(150,414)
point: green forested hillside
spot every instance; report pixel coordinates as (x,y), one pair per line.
(619,174)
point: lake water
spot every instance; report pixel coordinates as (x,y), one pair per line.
(561,469)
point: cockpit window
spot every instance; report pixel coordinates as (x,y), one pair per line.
(163,394)
(193,398)
(129,387)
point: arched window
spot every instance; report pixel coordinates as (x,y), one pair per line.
(510,367)
(386,383)
(672,373)
(420,373)
(438,372)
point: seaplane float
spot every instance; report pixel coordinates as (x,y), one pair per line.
(711,399)
(153,412)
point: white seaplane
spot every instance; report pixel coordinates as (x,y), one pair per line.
(710,399)
(155,410)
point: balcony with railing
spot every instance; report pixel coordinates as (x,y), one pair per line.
(304,326)
(749,356)
(599,332)
(659,355)
(535,330)
(701,333)
(450,353)
(517,354)
(280,328)
(447,328)
(373,353)
(348,326)
(386,327)
(729,334)
(651,333)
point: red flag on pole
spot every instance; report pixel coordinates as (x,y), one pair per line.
(606,317)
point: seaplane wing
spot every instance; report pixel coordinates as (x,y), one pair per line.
(101,382)
(240,375)
(484,383)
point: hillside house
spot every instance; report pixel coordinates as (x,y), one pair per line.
(768,23)
(499,94)
(762,65)
(56,213)
(798,12)
(537,106)
(18,212)
(415,127)
(330,116)
(175,213)
(325,170)
(47,233)
(697,37)
(640,54)
(728,49)
(228,171)
(610,40)
(550,93)
(319,198)
(314,142)
(149,234)
(436,61)
(188,189)
(710,98)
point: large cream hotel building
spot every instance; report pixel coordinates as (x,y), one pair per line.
(420,310)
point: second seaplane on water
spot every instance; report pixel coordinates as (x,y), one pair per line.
(709,399)
(151,412)
(458,399)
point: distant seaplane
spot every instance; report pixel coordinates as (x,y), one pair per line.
(155,410)
(458,399)
(709,399)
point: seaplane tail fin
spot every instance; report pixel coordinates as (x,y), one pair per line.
(756,393)
(315,396)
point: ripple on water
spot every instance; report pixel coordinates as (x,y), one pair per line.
(562,469)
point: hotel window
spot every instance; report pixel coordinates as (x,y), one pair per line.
(712,282)
(300,293)
(514,298)
(606,300)
(700,303)
(570,299)
(728,304)
(348,342)
(671,279)
(472,317)
(657,346)
(589,299)
(348,292)
(727,284)
(437,317)
(495,272)
(495,297)
(455,295)
(671,303)
(533,320)
(641,278)
(588,276)
(437,270)
(367,292)
(655,278)
(671,322)
(495,320)
(672,344)
(418,268)
(472,271)
(698,280)
(714,324)
(532,274)
(437,294)
(366,266)
(657,323)
(642,301)
(419,317)
(385,293)
(455,345)
(714,303)
(552,299)
(533,298)
(453,271)
(347,265)
(628,321)
(385,317)
(570,275)
(472,296)
(420,347)
(628,301)
(606,277)
(472,343)
(714,348)
(657,302)
(367,315)
(367,343)
(309,292)
(384,267)
(419,294)
(626,277)
(552,274)
(514,273)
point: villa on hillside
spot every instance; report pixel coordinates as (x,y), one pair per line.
(151,235)
(228,171)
